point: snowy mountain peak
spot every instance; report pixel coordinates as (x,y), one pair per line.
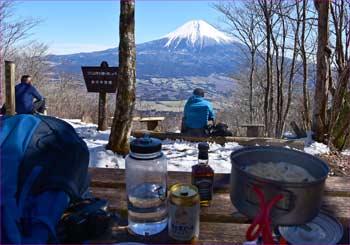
(196,34)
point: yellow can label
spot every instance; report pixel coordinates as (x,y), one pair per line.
(183,222)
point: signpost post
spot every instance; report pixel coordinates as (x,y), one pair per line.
(10,88)
(102,109)
(101,79)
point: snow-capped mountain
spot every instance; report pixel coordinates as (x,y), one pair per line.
(194,49)
(196,34)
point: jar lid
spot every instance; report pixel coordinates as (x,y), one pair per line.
(324,229)
(145,145)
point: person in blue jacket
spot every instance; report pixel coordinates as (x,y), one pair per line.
(197,113)
(25,94)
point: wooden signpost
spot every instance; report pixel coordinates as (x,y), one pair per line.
(10,102)
(101,79)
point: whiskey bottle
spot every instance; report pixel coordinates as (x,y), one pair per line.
(203,175)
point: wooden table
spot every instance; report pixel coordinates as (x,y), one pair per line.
(221,222)
(152,122)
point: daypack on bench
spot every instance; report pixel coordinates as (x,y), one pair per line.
(220,129)
(44,167)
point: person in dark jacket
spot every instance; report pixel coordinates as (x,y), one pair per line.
(197,113)
(25,94)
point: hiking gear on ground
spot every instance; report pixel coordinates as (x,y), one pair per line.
(84,220)
(220,129)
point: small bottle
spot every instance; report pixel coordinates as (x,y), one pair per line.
(203,175)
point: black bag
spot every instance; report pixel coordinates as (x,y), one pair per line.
(219,129)
(86,220)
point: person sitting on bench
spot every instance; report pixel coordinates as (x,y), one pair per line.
(25,94)
(197,113)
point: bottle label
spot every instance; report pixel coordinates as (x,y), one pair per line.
(183,222)
(205,188)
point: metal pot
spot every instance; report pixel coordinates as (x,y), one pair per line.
(301,202)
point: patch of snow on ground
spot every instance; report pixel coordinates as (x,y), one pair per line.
(181,154)
(96,141)
(317,148)
(346,152)
(312,147)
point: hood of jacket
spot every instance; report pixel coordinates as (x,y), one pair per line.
(195,99)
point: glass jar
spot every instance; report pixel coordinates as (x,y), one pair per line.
(146,186)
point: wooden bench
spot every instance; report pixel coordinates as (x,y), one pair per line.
(152,122)
(246,141)
(221,222)
(254,130)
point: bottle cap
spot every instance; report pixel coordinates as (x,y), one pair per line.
(145,145)
(203,148)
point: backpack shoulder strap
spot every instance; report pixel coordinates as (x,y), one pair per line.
(15,134)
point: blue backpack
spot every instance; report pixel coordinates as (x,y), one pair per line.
(44,166)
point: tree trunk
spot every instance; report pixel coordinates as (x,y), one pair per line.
(279,64)
(319,125)
(271,99)
(268,97)
(340,134)
(282,79)
(251,79)
(306,107)
(340,115)
(292,69)
(278,77)
(121,127)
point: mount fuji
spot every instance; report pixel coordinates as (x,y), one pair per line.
(195,34)
(194,49)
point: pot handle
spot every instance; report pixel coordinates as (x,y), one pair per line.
(286,204)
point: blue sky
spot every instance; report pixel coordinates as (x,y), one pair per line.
(78,26)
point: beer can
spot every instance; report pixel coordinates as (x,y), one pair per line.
(184,207)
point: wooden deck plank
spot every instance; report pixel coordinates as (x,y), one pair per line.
(221,233)
(210,233)
(114,178)
(222,209)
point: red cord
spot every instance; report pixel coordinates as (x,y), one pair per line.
(261,223)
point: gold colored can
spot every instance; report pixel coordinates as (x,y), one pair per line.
(184,208)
